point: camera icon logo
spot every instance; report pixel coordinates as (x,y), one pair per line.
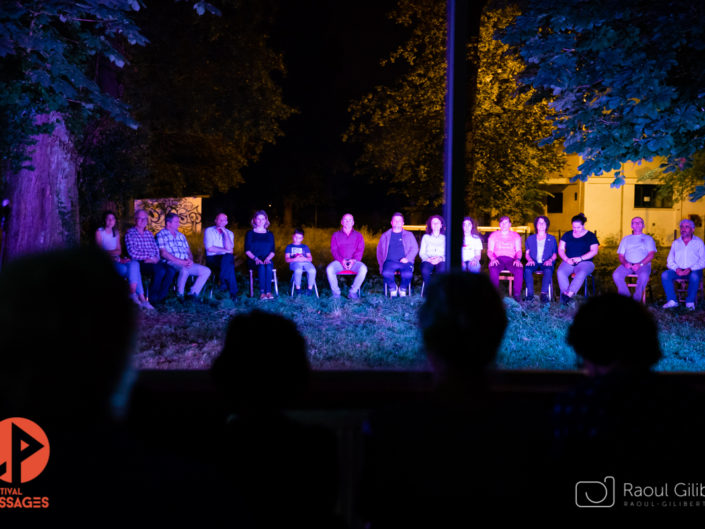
(595,494)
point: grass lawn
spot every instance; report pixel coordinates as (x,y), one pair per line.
(379,333)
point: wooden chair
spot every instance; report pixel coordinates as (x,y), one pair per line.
(682,290)
(631,280)
(506,275)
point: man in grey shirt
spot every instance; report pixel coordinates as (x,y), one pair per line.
(635,253)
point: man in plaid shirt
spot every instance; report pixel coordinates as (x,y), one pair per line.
(142,248)
(175,251)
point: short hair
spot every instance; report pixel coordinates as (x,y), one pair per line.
(428,223)
(141,211)
(545,218)
(257,214)
(687,221)
(300,231)
(474,231)
(635,346)
(219,214)
(504,217)
(271,379)
(462,321)
(581,218)
(169,217)
(397,214)
(105,219)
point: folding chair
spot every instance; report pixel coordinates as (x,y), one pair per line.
(293,286)
(386,288)
(585,284)
(274,281)
(351,274)
(550,287)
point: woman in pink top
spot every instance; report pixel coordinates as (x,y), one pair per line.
(504,253)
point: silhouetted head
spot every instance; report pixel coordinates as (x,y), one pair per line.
(263,363)
(462,322)
(613,331)
(67,327)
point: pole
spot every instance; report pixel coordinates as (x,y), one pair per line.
(455,117)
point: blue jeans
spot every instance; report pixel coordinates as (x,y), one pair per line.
(162,278)
(407,273)
(467,267)
(693,278)
(131,271)
(545,281)
(301,267)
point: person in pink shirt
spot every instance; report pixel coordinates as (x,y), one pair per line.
(504,253)
(347,247)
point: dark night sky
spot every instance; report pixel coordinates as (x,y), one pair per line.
(332,51)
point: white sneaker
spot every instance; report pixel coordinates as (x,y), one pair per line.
(394,293)
(402,293)
(670,304)
(690,306)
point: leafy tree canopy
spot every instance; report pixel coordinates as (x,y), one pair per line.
(46,50)
(207,91)
(402,126)
(626,77)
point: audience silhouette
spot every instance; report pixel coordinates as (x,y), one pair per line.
(442,462)
(67,326)
(285,470)
(444,459)
(625,421)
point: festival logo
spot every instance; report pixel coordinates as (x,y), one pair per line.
(24,453)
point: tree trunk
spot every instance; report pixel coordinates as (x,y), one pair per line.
(44,200)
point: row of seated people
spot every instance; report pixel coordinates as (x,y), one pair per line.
(396,252)
(444,460)
(577,249)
